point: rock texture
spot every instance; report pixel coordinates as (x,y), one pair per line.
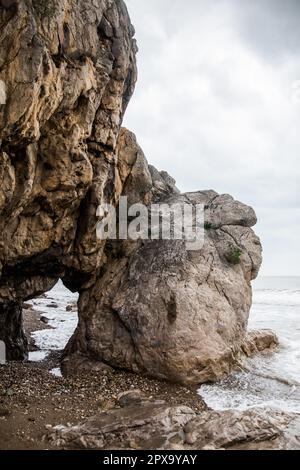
(67,71)
(11,330)
(150,426)
(258,341)
(163,310)
(141,182)
(225,429)
(160,426)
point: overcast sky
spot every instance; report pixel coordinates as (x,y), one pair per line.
(216,105)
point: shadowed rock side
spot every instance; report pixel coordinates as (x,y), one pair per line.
(67,72)
(160,309)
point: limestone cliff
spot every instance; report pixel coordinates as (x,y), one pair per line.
(67,72)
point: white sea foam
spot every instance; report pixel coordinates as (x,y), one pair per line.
(38,356)
(56,371)
(62,323)
(271,380)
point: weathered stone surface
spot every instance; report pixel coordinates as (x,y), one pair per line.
(67,71)
(77,364)
(153,425)
(225,429)
(157,425)
(175,314)
(257,341)
(287,439)
(140,182)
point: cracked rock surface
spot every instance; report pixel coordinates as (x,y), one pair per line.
(160,426)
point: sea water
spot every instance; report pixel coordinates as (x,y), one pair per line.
(62,324)
(271,380)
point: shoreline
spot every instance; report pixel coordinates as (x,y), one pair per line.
(32,398)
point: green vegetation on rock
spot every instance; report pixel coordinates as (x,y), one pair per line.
(234,257)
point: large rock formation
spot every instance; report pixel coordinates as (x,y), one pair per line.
(161,309)
(160,426)
(67,71)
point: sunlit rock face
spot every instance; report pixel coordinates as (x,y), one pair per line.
(67,72)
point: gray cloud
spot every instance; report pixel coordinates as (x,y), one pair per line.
(214,106)
(270,26)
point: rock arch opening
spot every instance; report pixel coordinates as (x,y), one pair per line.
(49,321)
